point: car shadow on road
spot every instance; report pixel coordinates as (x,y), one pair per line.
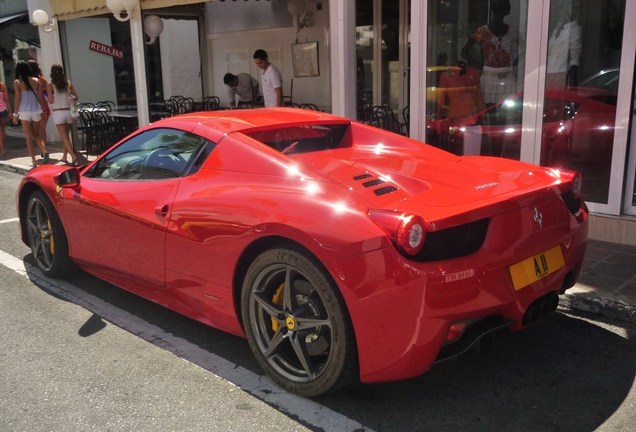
(565,373)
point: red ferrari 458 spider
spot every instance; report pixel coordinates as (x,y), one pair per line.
(340,251)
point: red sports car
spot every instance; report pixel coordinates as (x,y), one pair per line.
(339,250)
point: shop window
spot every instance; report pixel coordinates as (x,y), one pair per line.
(475,58)
(584,50)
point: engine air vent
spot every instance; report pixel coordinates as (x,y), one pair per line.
(362,176)
(372,183)
(384,190)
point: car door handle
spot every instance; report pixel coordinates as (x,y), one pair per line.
(162,210)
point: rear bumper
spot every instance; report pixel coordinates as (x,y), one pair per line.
(402,311)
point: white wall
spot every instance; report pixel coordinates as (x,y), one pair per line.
(232,52)
(91,72)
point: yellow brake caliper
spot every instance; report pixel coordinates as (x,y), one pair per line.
(277,298)
(51,245)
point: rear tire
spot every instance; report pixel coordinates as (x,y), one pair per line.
(296,323)
(47,238)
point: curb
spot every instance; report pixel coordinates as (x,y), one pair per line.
(597,305)
(13,168)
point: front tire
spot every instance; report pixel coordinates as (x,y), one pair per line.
(47,238)
(296,323)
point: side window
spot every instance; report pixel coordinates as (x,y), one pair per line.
(153,155)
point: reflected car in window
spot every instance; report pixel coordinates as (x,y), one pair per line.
(340,251)
(606,79)
(578,126)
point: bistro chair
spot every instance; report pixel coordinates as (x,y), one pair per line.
(101,131)
(387,118)
(92,125)
(309,106)
(365,104)
(106,105)
(375,118)
(186,105)
(158,111)
(211,103)
(107,131)
(288,100)
(83,122)
(172,106)
(245,105)
(178,104)
(406,116)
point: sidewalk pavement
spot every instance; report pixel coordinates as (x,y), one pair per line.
(606,286)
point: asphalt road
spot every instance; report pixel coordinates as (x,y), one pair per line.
(81,355)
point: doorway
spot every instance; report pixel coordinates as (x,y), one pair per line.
(382,60)
(173,61)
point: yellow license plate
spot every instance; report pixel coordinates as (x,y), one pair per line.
(534,268)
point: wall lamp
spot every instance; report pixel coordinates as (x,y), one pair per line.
(153,26)
(298,9)
(41,19)
(122,10)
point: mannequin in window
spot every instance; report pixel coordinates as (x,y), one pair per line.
(498,43)
(564,46)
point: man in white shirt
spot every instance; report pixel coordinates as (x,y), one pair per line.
(242,85)
(271,80)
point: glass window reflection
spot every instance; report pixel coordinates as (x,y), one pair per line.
(475,76)
(584,50)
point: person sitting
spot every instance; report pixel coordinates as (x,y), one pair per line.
(242,85)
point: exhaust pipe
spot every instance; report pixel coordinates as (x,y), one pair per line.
(541,308)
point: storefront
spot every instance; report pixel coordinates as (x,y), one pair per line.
(19,40)
(548,82)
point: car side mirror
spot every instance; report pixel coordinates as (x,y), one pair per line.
(69,178)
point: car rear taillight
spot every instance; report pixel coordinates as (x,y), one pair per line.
(407,231)
(574,177)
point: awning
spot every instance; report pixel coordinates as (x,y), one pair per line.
(6,20)
(69,9)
